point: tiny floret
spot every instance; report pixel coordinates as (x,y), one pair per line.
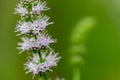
(23,27)
(41,6)
(40,24)
(21,10)
(45,40)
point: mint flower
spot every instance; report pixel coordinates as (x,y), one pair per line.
(34,44)
(41,6)
(35,66)
(44,40)
(31,7)
(23,27)
(40,24)
(35,27)
(34,38)
(21,10)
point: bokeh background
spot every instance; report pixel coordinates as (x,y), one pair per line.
(102,61)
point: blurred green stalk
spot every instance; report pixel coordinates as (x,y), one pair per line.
(77,45)
(76,73)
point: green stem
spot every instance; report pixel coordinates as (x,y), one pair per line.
(76,73)
(45,76)
(40,56)
(40,78)
(42,74)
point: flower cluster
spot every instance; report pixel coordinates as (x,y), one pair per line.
(29,44)
(32,28)
(48,60)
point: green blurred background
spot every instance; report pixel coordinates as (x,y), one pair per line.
(102,61)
